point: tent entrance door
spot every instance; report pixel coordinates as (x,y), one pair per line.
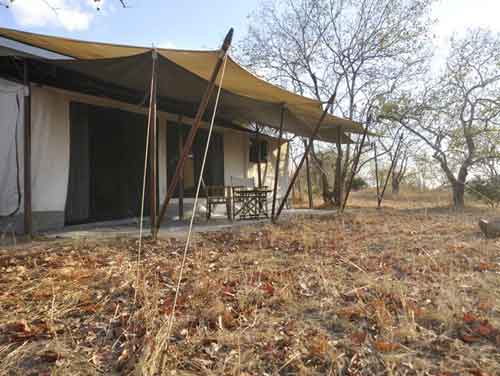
(106,164)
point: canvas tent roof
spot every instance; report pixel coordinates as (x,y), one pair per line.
(183,76)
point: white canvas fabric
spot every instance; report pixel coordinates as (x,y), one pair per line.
(11,116)
(50,149)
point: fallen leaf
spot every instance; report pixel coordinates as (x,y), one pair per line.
(485,266)
(469,318)
(485,329)
(478,372)
(358,338)
(469,339)
(50,356)
(268,288)
(383,346)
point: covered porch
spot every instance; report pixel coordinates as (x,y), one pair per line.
(129,228)
(179,86)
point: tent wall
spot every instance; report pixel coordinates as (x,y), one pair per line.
(11,110)
(267,169)
(51,154)
(50,157)
(236,157)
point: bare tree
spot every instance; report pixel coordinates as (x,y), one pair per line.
(458,115)
(398,160)
(359,48)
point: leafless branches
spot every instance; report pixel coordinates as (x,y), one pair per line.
(457,114)
(361,49)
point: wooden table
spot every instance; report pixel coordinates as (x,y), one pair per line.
(253,202)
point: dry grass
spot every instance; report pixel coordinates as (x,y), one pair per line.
(399,291)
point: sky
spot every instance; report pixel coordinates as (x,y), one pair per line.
(191,24)
(186,24)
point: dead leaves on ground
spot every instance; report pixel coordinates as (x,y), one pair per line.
(358,295)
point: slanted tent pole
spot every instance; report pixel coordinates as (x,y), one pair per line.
(28,213)
(277,165)
(306,152)
(152,146)
(196,125)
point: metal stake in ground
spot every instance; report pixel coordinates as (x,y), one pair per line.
(306,153)
(196,125)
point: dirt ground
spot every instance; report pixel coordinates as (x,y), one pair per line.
(411,289)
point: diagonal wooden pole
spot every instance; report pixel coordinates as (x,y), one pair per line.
(306,153)
(196,125)
(277,166)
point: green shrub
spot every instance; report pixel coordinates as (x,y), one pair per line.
(358,183)
(486,190)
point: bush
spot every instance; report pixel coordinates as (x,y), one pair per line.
(358,183)
(486,190)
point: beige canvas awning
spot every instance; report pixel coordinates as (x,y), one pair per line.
(183,76)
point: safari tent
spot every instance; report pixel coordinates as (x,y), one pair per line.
(73,128)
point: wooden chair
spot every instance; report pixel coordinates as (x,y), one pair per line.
(217,195)
(237,199)
(247,201)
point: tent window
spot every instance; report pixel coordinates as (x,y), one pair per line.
(258,151)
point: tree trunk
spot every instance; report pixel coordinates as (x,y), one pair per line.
(458,195)
(457,183)
(322,177)
(458,187)
(395,184)
(309,183)
(338,184)
(324,184)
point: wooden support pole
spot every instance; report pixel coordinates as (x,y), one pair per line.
(306,152)
(181,180)
(259,168)
(196,124)
(277,165)
(28,211)
(308,179)
(152,147)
